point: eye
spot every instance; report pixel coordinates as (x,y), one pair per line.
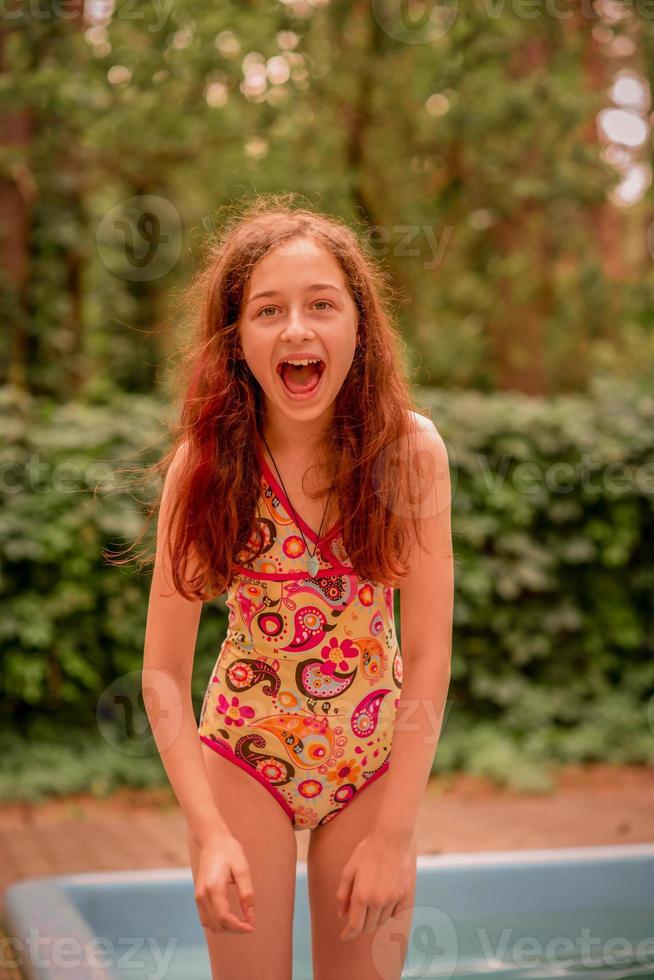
(264,310)
(323,301)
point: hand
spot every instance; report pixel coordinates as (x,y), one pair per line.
(374,882)
(221,862)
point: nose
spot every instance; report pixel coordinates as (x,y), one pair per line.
(296,326)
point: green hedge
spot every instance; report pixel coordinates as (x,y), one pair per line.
(71,622)
(554,628)
(554,622)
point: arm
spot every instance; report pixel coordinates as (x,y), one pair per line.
(169,650)
(426,611)
(377,874)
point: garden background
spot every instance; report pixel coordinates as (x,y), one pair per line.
(498,159)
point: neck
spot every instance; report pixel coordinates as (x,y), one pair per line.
(281,433)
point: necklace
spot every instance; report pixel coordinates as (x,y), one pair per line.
(313,562)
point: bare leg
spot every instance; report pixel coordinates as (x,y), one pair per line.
(265,833)
(369,955)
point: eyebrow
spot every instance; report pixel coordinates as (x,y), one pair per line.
(275,292)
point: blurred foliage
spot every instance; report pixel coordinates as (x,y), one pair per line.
(469,156)
(76,761)
(471,160)
(554,623)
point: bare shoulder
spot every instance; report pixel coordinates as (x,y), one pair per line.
(179,460)
(430,440)
(170,494)
(422,421)
(426,589)
(176,468)
(173,618)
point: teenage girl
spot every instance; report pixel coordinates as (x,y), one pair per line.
(303,485)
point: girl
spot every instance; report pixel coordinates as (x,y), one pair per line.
(303,484)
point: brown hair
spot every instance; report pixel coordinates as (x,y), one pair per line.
(370,443)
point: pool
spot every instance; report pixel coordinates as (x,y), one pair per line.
(563,912)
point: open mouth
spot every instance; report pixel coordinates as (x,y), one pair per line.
(301,379)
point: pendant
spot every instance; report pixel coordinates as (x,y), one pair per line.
(313,564)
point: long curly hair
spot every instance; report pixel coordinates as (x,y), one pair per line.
(370,443)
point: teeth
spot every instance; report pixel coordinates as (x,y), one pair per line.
(315,360)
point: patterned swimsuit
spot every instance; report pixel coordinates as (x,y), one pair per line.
(305,689)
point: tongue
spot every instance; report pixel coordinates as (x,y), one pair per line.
(302,378)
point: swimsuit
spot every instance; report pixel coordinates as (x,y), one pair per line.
(305,689)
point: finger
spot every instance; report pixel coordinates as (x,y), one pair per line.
(385,914)
(224,917)
(344,890)
(372,919)
(243,882)
(356,919)
(202,913)
(209,916)
(397,908)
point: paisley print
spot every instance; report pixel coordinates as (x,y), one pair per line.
(304,693)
